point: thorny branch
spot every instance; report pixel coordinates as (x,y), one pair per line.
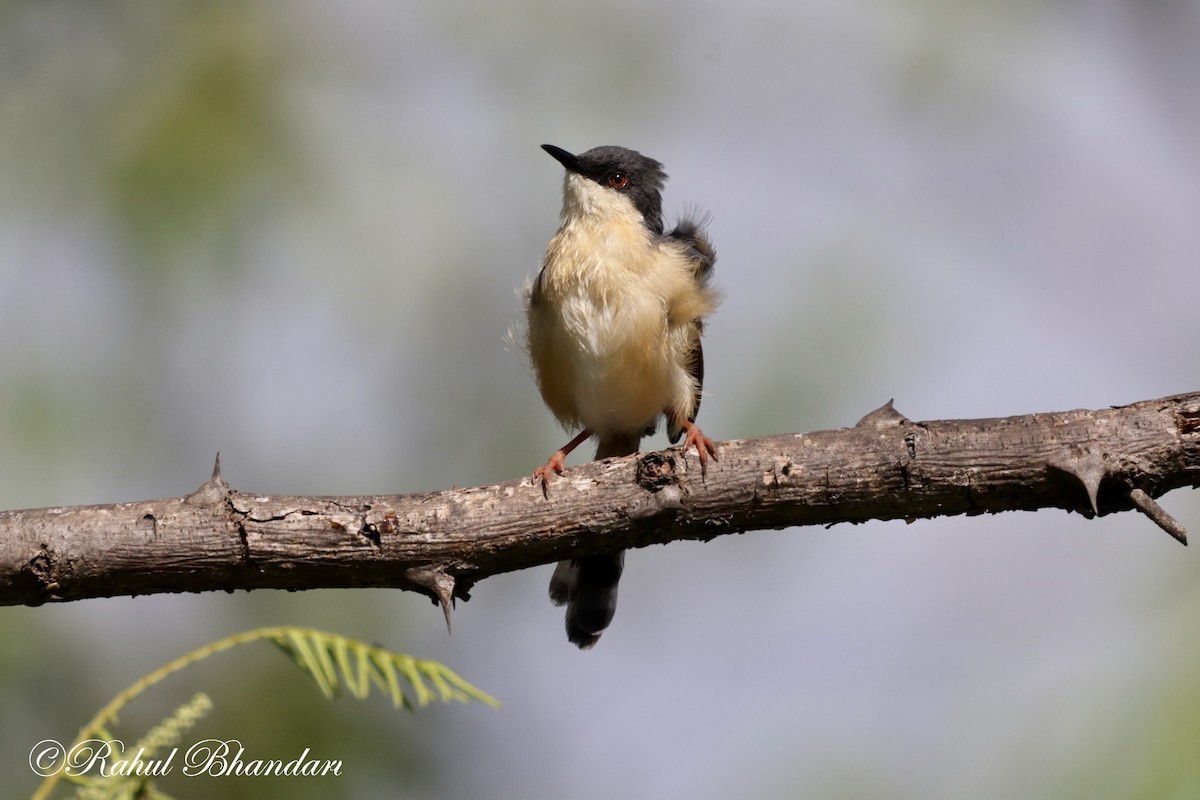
(441,543)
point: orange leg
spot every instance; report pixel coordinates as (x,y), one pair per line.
(556,462)
(696,438)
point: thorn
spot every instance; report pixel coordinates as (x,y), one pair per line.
(883,417)
(213,490)
(1087,468)
(1147,505)
(438,583)
(1091,482)
(445,593)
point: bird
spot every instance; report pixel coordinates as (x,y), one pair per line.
(613,325)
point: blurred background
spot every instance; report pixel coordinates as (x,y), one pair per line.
(292,232)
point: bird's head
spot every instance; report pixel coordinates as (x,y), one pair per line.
(610,180)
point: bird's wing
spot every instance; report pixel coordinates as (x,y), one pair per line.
(690,233)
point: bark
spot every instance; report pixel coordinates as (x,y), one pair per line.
(441,543)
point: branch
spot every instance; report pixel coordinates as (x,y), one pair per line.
(441,543)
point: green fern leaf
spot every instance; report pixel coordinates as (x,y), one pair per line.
(334,661)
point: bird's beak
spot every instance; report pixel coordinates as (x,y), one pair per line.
(568,160)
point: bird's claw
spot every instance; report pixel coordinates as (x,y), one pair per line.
(704,446)
(553,466)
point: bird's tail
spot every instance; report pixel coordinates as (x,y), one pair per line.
(588,585)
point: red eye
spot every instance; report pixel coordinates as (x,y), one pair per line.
(618,180)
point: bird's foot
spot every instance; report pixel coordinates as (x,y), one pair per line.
(553,466)
(704,446)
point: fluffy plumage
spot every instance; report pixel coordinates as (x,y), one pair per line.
(614,323)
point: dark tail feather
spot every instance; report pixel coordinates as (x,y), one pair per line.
(588,585)
(589,588)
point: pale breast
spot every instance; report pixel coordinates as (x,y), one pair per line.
(602,339)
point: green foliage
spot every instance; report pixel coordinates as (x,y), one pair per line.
(327,656)
(332,660)
(167,733)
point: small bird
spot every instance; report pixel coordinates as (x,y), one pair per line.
(614,319)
